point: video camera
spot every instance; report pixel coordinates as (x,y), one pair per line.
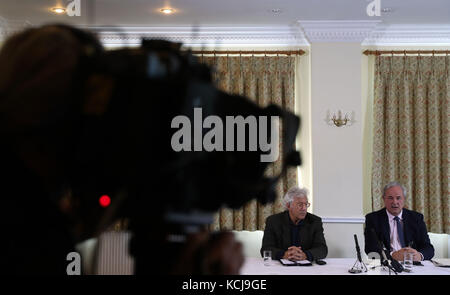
(160,183)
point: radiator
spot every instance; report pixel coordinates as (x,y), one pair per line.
(112,254)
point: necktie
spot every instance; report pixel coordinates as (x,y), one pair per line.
(401,236)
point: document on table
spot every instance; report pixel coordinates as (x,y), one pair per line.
(441,262)
(298,262)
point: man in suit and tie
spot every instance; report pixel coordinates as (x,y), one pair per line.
(399,229)
(295,234)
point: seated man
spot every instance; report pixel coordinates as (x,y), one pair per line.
(397,228)
(295,234)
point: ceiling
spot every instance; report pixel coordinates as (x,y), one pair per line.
(224,13)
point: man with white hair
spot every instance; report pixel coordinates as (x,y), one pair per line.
(295,234)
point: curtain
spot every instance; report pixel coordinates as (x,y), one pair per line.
(411,134)
(264,80)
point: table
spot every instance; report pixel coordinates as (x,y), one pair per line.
(334,266)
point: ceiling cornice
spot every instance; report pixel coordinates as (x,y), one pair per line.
(337,31)
(204,36)
(375,33)
(9,26)
(305,32)
(410,35)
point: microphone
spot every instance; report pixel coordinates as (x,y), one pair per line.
(380,247)
(387,259)
(359,265)
(395,264)
(358,251)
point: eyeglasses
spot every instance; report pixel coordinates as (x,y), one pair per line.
(301,205)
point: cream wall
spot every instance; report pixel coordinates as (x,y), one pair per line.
(367,67)
(337,164)
(337,151)
(303,109)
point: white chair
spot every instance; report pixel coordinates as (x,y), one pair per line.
(251,241)
(440,243)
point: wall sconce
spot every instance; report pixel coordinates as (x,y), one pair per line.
(338,121)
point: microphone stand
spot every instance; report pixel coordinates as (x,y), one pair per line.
(358,267)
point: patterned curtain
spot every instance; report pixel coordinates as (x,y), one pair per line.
(411,134)
(265,80)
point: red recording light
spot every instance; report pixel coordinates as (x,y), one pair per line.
(104,201)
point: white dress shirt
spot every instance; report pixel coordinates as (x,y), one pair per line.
(395,242)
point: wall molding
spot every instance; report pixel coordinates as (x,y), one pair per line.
(354,220)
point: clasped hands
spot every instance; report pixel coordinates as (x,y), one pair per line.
(398,255)
(294,254)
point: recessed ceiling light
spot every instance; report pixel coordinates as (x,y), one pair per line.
(167,10)
(58,10)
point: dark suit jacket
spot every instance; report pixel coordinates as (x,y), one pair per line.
(414,229)
(277,235)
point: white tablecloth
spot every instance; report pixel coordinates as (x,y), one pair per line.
(334,266)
